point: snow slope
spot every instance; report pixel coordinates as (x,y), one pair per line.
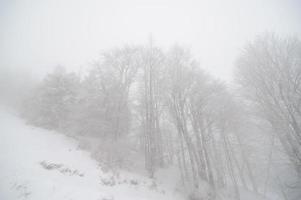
(37,164)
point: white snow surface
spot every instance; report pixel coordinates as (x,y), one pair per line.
(37,164)
(26,152)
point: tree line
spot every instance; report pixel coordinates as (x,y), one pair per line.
(141,103)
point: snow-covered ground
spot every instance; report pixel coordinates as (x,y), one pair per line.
(38,164)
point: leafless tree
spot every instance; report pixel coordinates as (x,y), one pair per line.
(269,70)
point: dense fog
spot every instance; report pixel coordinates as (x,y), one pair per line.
(210,101)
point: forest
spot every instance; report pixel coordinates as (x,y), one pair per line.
(146,108)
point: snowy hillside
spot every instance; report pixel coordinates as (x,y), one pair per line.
(40,164)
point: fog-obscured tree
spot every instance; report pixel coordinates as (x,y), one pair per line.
(150,87)
(269,71)
(51,103)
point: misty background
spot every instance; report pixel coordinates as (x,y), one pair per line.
(38,35)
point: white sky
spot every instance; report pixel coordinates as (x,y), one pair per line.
(40,34)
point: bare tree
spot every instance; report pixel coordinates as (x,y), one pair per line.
(269,70)
(152,64)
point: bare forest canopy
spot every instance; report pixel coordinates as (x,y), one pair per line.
(142,104)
